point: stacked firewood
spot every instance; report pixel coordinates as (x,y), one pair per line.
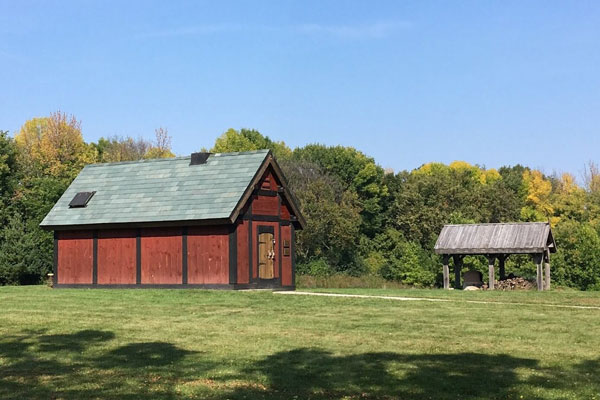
(516,283)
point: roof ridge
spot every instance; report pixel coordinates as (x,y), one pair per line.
(500,223)
(240,153)
(151,160)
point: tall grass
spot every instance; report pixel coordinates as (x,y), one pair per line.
(341,281)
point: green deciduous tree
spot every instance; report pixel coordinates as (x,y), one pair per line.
(577,262)
(8,173)
(356,172)
(25,252)
(332,217)
(247,140)
(423,200)
(403,261)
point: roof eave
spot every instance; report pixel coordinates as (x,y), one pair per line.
(532,250)
(140,224)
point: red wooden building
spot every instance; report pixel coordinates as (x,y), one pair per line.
(204,221)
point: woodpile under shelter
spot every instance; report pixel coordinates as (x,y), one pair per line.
(204,221)
(497,242)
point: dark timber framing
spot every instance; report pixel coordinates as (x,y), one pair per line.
(95,259)
(55,267)
(138,257)
(233,255)
(293,255)
(280,244)
(184,255)
(250,260)
(496,241)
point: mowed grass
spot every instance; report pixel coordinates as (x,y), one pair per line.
(170,344)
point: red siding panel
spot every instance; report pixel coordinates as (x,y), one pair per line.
(242,252)
(208,255)
(286,266)
(161,256)
(116,257)
(75,257)
(285,212)
(268,181)
(265,205)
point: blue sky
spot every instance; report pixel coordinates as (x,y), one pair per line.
(492,83)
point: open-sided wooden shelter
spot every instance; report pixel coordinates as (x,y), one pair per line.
(497,241)
(207,220)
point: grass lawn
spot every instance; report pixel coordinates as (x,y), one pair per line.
(170,344)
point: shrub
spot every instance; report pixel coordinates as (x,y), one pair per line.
(409,265)
(317,267)
(577,262)
(25,252)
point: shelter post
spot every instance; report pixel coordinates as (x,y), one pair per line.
(538,259)
(547,271)
(458,263)
(502,270)
(446,260)
(492,278)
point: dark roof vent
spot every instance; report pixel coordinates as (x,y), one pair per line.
(81,199)
(199,158)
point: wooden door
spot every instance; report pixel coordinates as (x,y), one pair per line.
(266,255)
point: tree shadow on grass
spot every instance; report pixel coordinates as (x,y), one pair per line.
(318,374)
(83,365)
(143,355)
(74,342)
(37,365)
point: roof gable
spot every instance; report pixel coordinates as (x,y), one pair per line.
(289,196)
(160,190)
(524,237)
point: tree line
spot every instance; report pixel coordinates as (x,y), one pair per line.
(361,219)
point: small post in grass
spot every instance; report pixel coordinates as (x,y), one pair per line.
(50,279)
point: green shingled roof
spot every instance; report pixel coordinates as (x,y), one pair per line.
(158,190)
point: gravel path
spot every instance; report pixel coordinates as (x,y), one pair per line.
(399,298)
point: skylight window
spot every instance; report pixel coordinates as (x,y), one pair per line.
(81,199)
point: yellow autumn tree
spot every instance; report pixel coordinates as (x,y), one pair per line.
(489,176)
(465,169)
(53,146)
(569,199)
(431,168)
(473,172)
(538,205)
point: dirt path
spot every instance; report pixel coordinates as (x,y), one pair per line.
(399,298)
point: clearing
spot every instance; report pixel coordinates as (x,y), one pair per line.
(170,344)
